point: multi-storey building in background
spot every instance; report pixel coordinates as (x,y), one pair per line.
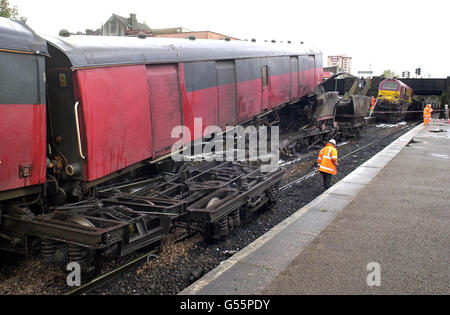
(343,63)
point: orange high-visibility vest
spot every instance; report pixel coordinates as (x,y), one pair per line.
(374,100)
(327,159)
(427,112)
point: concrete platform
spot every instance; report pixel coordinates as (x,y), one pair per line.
(393,210)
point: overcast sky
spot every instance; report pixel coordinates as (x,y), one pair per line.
(378,35)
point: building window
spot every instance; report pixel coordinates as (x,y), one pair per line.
(113,26)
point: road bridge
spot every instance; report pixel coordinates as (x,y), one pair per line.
(429,86)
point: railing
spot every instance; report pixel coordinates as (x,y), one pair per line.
(356,90)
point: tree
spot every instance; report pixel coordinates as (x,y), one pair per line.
(389,73)
(7,11)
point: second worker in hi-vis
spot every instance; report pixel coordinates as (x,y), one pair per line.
(327,162)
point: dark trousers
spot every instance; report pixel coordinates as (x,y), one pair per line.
(326,180)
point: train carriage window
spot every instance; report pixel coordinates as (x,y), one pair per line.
(19,70)
(200,75)
(265,76)
(391,86)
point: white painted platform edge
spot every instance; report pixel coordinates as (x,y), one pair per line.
(383,157)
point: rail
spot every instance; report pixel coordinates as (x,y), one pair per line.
(311,174)
(107,277)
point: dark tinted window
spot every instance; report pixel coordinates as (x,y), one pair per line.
(200,75)
(18,79)
(391,86)
(248,69)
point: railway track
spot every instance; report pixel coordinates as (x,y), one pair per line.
(109,276)
(314,172)
(105,278)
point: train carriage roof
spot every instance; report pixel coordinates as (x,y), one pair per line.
(97,51)
(18,37)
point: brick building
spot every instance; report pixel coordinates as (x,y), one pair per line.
(120,26)
(199,35)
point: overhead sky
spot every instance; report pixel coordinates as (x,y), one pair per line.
(383,34)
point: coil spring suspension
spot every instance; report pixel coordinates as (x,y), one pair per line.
(76,253)
(223,227)
(274,192)
(48,249)
(235,215)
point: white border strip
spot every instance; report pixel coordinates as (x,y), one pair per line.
(385,155)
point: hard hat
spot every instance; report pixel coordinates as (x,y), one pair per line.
(332,141)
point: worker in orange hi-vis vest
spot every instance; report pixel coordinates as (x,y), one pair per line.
(372,106)
(328,162)
(427,114)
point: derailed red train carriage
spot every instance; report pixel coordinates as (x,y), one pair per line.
(132,92)
(78,111)
(114,101)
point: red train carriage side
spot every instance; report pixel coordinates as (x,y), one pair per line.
(125,95)
(22,110)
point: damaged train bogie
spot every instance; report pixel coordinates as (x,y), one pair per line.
(308,124)
(231,200)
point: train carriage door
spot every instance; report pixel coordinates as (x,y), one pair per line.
(248,76)
(200,102)
(165,104)
(265,73)
(303,65)
(227,93)
(112,114)
(295,88)
(310,75)
(318,64)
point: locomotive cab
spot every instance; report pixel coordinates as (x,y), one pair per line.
(394,91)
(389,91)
(394,98)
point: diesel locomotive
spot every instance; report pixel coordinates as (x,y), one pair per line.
(394,99)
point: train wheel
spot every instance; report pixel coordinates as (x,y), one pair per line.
(215,231)
(90,260)
(327,137)
(212,202)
